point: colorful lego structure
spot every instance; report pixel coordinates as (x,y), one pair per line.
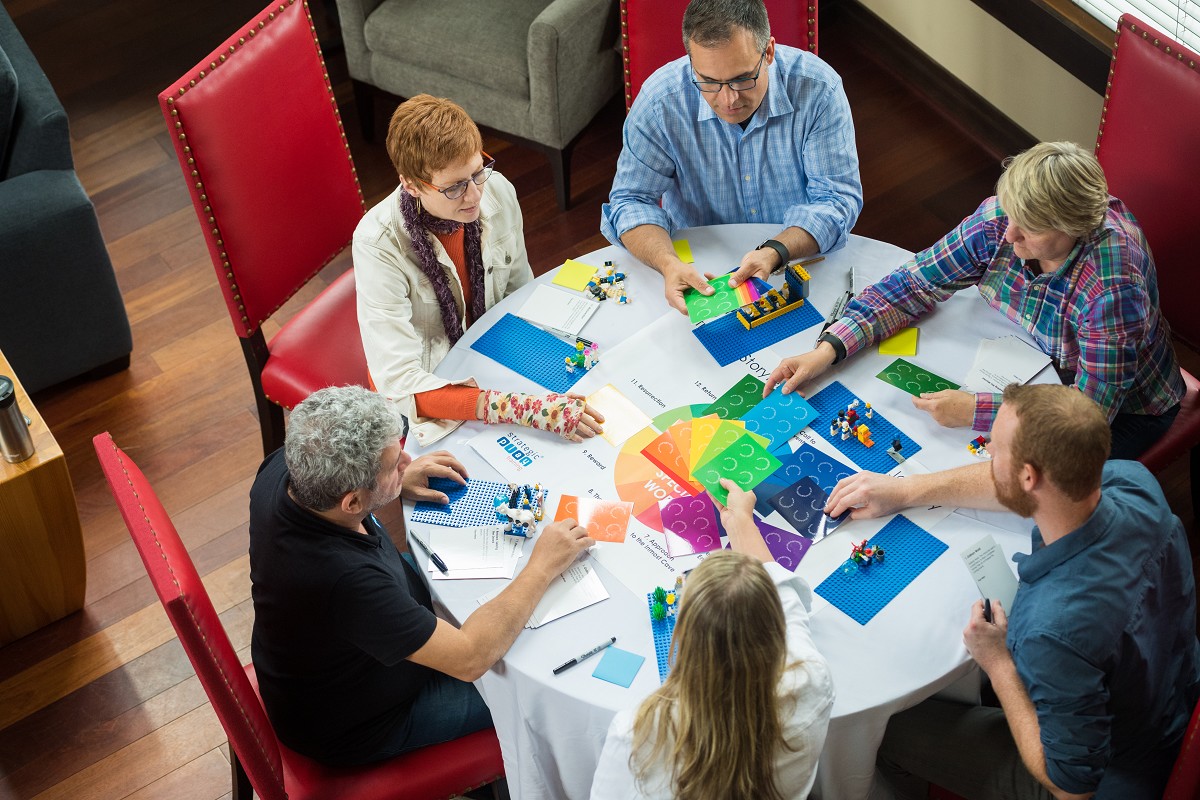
(777,302)
(584,357)
(608,285)
(863,555)
(665,602)
(521,509)
(978,447)
(848,422)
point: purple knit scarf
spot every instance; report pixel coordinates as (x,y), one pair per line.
(420,226)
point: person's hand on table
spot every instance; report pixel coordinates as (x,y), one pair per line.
(796,371)
(414,484)
(950,408)
(985,640)
(755,264)
(590,424)
(867,495)
(558,545)
(678,277)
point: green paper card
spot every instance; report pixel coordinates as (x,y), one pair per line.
(741,397)
(722,301)
(745,462)
(909,377)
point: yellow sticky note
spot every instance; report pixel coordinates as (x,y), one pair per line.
(684,251)
(902,343)
(574,275)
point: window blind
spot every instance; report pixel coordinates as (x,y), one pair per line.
(1179,19)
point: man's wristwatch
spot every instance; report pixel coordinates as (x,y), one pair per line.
(784,255)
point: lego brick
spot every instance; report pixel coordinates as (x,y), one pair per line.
(779,416)
(470,505)
(663,630)
(530,351)
(862,592)
(910,378)
(693,525)
(802,504)
(787,547)
(836,397)
(740,398)
(605,520)
(726,340)
(745,462)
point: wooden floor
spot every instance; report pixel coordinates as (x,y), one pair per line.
(104,704)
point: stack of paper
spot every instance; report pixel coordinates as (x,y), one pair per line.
(557,311)
(473,553)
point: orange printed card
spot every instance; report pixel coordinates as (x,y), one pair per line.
(605,520)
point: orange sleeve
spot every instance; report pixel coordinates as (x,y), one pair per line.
(448,402)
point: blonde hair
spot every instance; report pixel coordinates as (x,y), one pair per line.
(1062,432)
(1054,186)
(717,720)
(430,133)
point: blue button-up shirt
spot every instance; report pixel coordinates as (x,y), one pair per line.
(795,164)
(1103,633)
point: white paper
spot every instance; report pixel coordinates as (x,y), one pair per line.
(990,568)
(578,587)
(472,553)
(557,311)
(999,362)
(514,453)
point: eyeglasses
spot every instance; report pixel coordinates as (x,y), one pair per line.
(457,190)
(735,85)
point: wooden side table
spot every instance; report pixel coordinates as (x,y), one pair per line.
(43,569)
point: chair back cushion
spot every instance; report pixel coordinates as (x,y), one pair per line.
(1149,146)
(1184,783)
(258,134)
(8,104)
(652,34)
(195,620)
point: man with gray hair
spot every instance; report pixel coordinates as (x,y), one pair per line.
(738,130)
(352,664)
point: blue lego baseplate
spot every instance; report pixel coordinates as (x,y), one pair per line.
(779,416)
(862,592)
(727,340)
(834,398)
(470,505)
(663,630)
(530,351)
(806,462)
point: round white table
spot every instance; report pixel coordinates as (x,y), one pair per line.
(552,727)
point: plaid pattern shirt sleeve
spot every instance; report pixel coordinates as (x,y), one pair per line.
(795,164)
(1096,316)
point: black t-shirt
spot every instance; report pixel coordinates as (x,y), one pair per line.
(336,613)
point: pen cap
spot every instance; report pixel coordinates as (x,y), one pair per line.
(15,442)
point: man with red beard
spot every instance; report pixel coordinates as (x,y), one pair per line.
(1096,666)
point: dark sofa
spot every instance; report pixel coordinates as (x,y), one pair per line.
(61,313)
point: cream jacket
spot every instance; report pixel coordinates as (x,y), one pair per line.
(398,313)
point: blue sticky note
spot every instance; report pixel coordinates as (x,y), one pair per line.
(618,666)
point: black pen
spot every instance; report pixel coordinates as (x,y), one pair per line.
(587,655)
(987,609)
(838,308)
(437,562)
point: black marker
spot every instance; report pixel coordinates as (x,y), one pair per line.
(987,609)
(437,562)
(612,640)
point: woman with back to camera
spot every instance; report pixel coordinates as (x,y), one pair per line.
(429,260)
(745,710)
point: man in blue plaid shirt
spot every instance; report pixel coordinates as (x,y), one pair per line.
(739,130)
(1057,255)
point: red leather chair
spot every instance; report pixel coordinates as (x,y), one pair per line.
(258,135)
(652,34)
(1185,776)
(1147,144)
(260,763)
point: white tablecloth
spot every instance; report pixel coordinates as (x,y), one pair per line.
(552,728)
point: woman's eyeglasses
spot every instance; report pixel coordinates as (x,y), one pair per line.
(457,190)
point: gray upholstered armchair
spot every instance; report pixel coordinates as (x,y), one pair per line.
(536,71)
